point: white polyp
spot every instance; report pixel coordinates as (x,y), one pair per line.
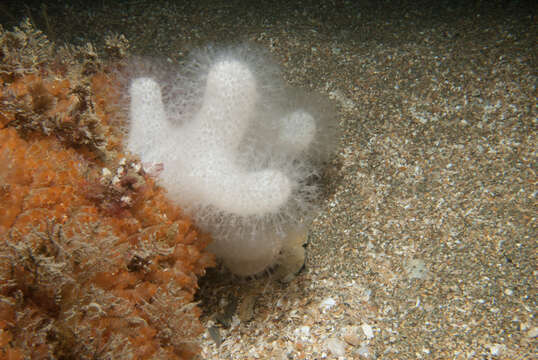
(207,145)
(148,118)
(229,101)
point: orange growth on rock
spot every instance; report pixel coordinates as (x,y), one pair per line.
(93,257)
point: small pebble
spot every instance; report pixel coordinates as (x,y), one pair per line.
(336,347)
(532,333)
(363,351)
(367,329)
(303,331)
(496,349)
(327,304)
(351,336)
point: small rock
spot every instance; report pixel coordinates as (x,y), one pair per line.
(496,349)
(215,335)
(327,304)
(532,333)
(363,351)
(351,336)
(367,329)
(245,310)
(336,346)
(292,255)
(303,331)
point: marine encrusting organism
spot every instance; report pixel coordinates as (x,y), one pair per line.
(95,262)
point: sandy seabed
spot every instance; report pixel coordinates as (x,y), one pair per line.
(423,247)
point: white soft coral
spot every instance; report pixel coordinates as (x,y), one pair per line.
(244,203)
(200,157)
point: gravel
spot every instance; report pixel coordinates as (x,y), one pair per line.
(425,246)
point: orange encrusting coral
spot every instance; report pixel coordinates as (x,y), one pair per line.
(93,258)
